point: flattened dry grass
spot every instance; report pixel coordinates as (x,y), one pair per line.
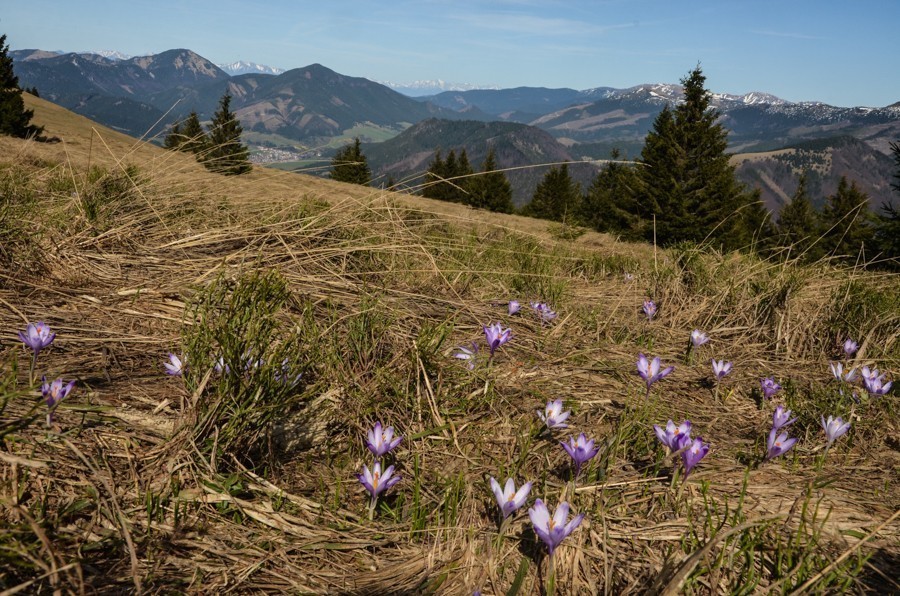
(118,497)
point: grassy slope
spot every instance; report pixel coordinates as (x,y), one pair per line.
(129,490)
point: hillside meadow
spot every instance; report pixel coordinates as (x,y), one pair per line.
(334,307)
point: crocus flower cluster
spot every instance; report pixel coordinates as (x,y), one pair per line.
(553,415)
(649,370)
(544,311)
(837,369)
(38,336)
(380,441)
(678,438)
(649,309)
(874,381)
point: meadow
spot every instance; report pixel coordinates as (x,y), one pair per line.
(302,312)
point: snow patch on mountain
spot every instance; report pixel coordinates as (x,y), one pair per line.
(432,87)
(243,67)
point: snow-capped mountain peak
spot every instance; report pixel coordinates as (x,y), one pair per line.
(243,67)
(432,87)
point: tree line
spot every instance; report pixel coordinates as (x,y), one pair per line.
(682,188)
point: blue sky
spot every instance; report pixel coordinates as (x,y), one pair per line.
(840,52)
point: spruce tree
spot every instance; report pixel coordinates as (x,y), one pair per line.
(225,153)
(608,205)
(688,182)
(556,197)
(490,190)
(434,177)
(193,137)
(846,226)
(350,165)
(173,140)
(15,120)
(798,224)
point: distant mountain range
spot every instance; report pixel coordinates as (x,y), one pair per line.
(423,88)
(314,106)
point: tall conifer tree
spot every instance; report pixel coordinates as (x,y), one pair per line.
(225,153)
(687,180)
(15,120)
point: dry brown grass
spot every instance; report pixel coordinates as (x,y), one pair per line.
(117,497)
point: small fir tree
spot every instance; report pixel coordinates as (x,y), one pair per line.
(350,165)
(556,197)
(608,205)
(194,138)
(434,177)
(798,224)
(895,151)
(225,153)
(490,190)
(15,120)
(846,220)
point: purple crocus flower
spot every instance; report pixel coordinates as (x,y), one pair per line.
(543,311)
(778,444)
(509,499)
(381,440)
(54,393)
(850,347)
(285,376)
(781,417)
(514,307)
(553,415)
(496,336)
(769,387)
(674,436)
(468,355)
(837,369)
(220,366)
(874,381)
(553,530)
(37,336)
(174,366)
(691,456)
(721,368)
(580,449)
(377,482)
(649,309)
(698,338)
(834,428)
(649,370)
